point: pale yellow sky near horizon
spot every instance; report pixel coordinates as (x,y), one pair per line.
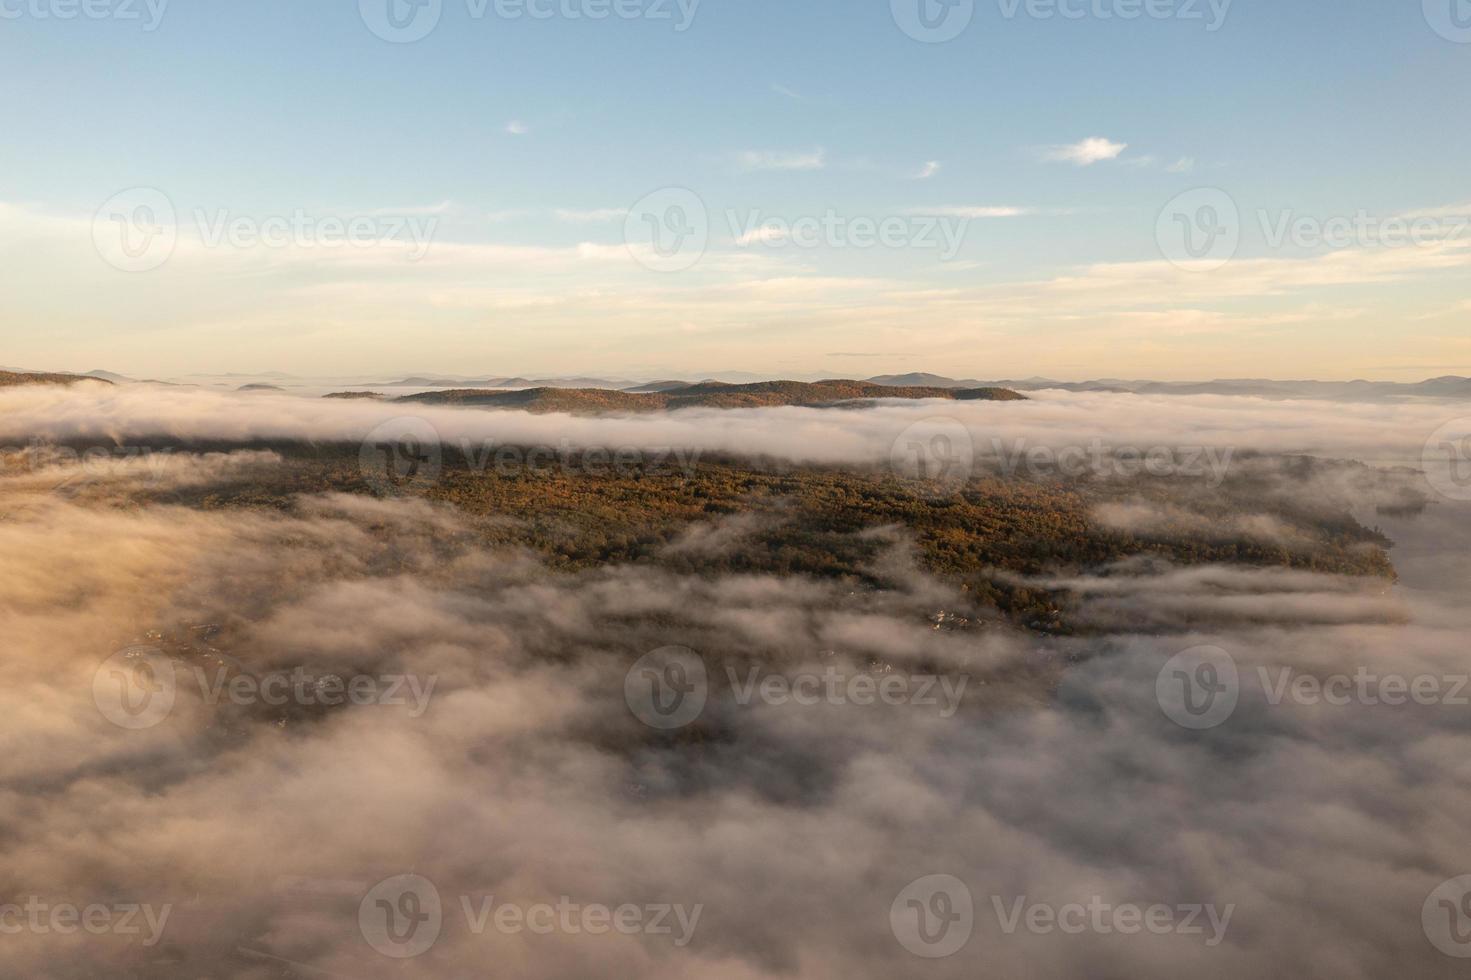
(1381,313)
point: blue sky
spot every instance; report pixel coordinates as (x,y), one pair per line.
(524,141)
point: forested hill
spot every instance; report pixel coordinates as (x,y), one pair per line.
(11,378)
(707,394)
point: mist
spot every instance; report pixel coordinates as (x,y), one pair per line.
(777,836)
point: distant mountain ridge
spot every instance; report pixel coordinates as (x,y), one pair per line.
(707,394)
(1448,386)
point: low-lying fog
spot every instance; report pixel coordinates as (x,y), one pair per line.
(1046,807)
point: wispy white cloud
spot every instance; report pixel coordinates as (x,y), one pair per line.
(1446,211)
(1184,165)
(1092,150)
(517,128)
(780,160)
(443,207)
(789,93)
(930,168)
(972,211)
(594,215)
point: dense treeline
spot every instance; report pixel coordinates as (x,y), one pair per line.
(730,515)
